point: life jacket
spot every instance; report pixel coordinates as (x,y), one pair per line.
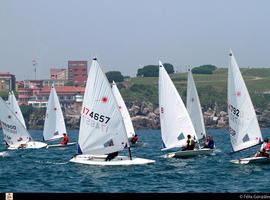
(134,139)
(267,147)
(65,140)
(190,142)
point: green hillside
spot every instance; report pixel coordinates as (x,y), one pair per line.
(212,88)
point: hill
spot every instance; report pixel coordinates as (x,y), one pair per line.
(212,88)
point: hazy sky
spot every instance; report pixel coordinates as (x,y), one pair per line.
(127,34)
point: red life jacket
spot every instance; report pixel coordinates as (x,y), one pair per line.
(65,140)
(134,139)
(267,147)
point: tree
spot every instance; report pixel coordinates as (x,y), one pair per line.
(169,68)
(153,70)
(115,76)
(4,95)
(27,110)
(69,83)
(204,69)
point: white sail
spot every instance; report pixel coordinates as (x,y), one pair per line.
(243,124)
(194,107)
(174,118)
(14,106)
(54,125)
(124,111)
(102,129)
(14,131)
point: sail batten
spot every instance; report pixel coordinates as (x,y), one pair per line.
(174,118)
(243,124)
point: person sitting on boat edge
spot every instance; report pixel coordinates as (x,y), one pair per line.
(111,156)
(209,142)
(65,139)
(22,146)
(190,144)
(134,139)
(264,148)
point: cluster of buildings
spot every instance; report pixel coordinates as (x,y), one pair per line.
(69,84)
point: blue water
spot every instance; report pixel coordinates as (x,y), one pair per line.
(48,170)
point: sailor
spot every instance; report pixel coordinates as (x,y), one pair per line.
(65,139)
(209,142)
(264,148)
(134,139)
(190,144)
(111,156)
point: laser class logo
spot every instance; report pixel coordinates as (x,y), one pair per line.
(104,99)
(238,93)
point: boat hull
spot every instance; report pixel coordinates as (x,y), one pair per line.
(29,145)
(3,154)
(61,145)
(190,153)
(118,161)
(251,160)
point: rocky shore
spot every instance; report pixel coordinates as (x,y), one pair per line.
(145,115)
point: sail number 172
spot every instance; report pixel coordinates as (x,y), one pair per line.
(96,116)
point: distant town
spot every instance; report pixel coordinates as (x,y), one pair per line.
(69,83)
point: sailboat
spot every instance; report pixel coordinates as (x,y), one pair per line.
(14,106)
(15,134)
(175,121)
(54,125)
(124,111)
(102,130)
(243,124)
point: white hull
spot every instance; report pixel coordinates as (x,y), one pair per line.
(57,137)
(29,145)
(251,160)
(61,145)
(3,154)
(190,153)
(118,161)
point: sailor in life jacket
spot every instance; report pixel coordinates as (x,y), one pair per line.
(65,139)
(264,148)
(190,144)
(134,139)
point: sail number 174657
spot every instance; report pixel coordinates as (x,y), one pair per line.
(95,116)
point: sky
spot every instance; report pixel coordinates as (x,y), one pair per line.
(126,35)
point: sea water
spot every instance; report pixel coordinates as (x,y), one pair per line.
(49,170)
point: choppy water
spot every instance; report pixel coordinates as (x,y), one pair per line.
(48,170)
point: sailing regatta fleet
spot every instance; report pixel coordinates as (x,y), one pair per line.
(106,127)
